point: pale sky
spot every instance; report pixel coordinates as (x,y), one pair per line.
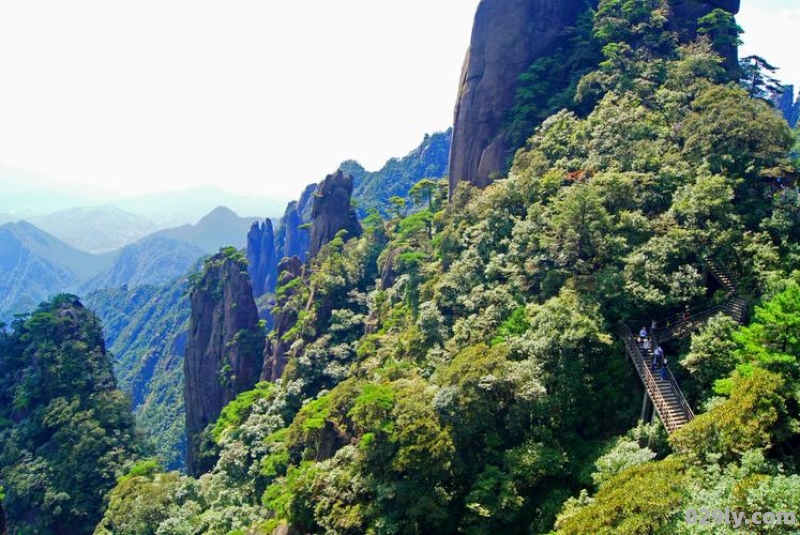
(772,30)
(258,97)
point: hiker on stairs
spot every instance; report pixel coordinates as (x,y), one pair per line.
(658,357)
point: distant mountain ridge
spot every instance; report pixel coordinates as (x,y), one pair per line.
(176,208)
(28,195)
(95,229)
(35,265)
(152,260)
(221,227)
(167,254)
(373,189)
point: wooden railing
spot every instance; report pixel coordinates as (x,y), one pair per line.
(683,323)
(651,384)
(687,409)
(678,326)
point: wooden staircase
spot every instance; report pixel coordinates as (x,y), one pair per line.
(667,398)
(665,394)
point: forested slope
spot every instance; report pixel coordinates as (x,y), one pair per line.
(146,331)
(66,431)
(459,370)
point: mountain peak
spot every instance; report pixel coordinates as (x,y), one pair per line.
(219,212)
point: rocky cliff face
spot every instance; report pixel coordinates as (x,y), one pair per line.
(275,353)
(266,247)
(696,8)
(686,13)
(261,257)
(787,105)
(507,36)
(332,211)
(224,355)
(292,239)
(329,213)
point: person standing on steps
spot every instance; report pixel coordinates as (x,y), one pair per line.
(642,334)
(658,356)
(663,367)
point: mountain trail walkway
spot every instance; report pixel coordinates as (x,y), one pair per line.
(664,392)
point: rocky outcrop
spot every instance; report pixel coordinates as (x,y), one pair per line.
(332,211)
(293,237)
(684,21)
(224,355)
(261,252)
(388,270)
(507,36)
(266,246)
(696,9)
(787,105)
(276,351)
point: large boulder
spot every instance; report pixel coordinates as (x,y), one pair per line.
(507,36)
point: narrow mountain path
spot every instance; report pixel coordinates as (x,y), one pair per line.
(664,392)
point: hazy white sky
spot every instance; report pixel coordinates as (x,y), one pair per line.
(772,30)
(256,96)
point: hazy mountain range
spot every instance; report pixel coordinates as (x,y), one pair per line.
(96,229)
(30,196)
(54,241)
(176,208)
(35,264)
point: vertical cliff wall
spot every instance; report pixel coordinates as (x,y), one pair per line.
(261,252)
(292,237)
(224,355)
(507,36)
(332,211)
(685,16)
(275,353)
(787,105)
